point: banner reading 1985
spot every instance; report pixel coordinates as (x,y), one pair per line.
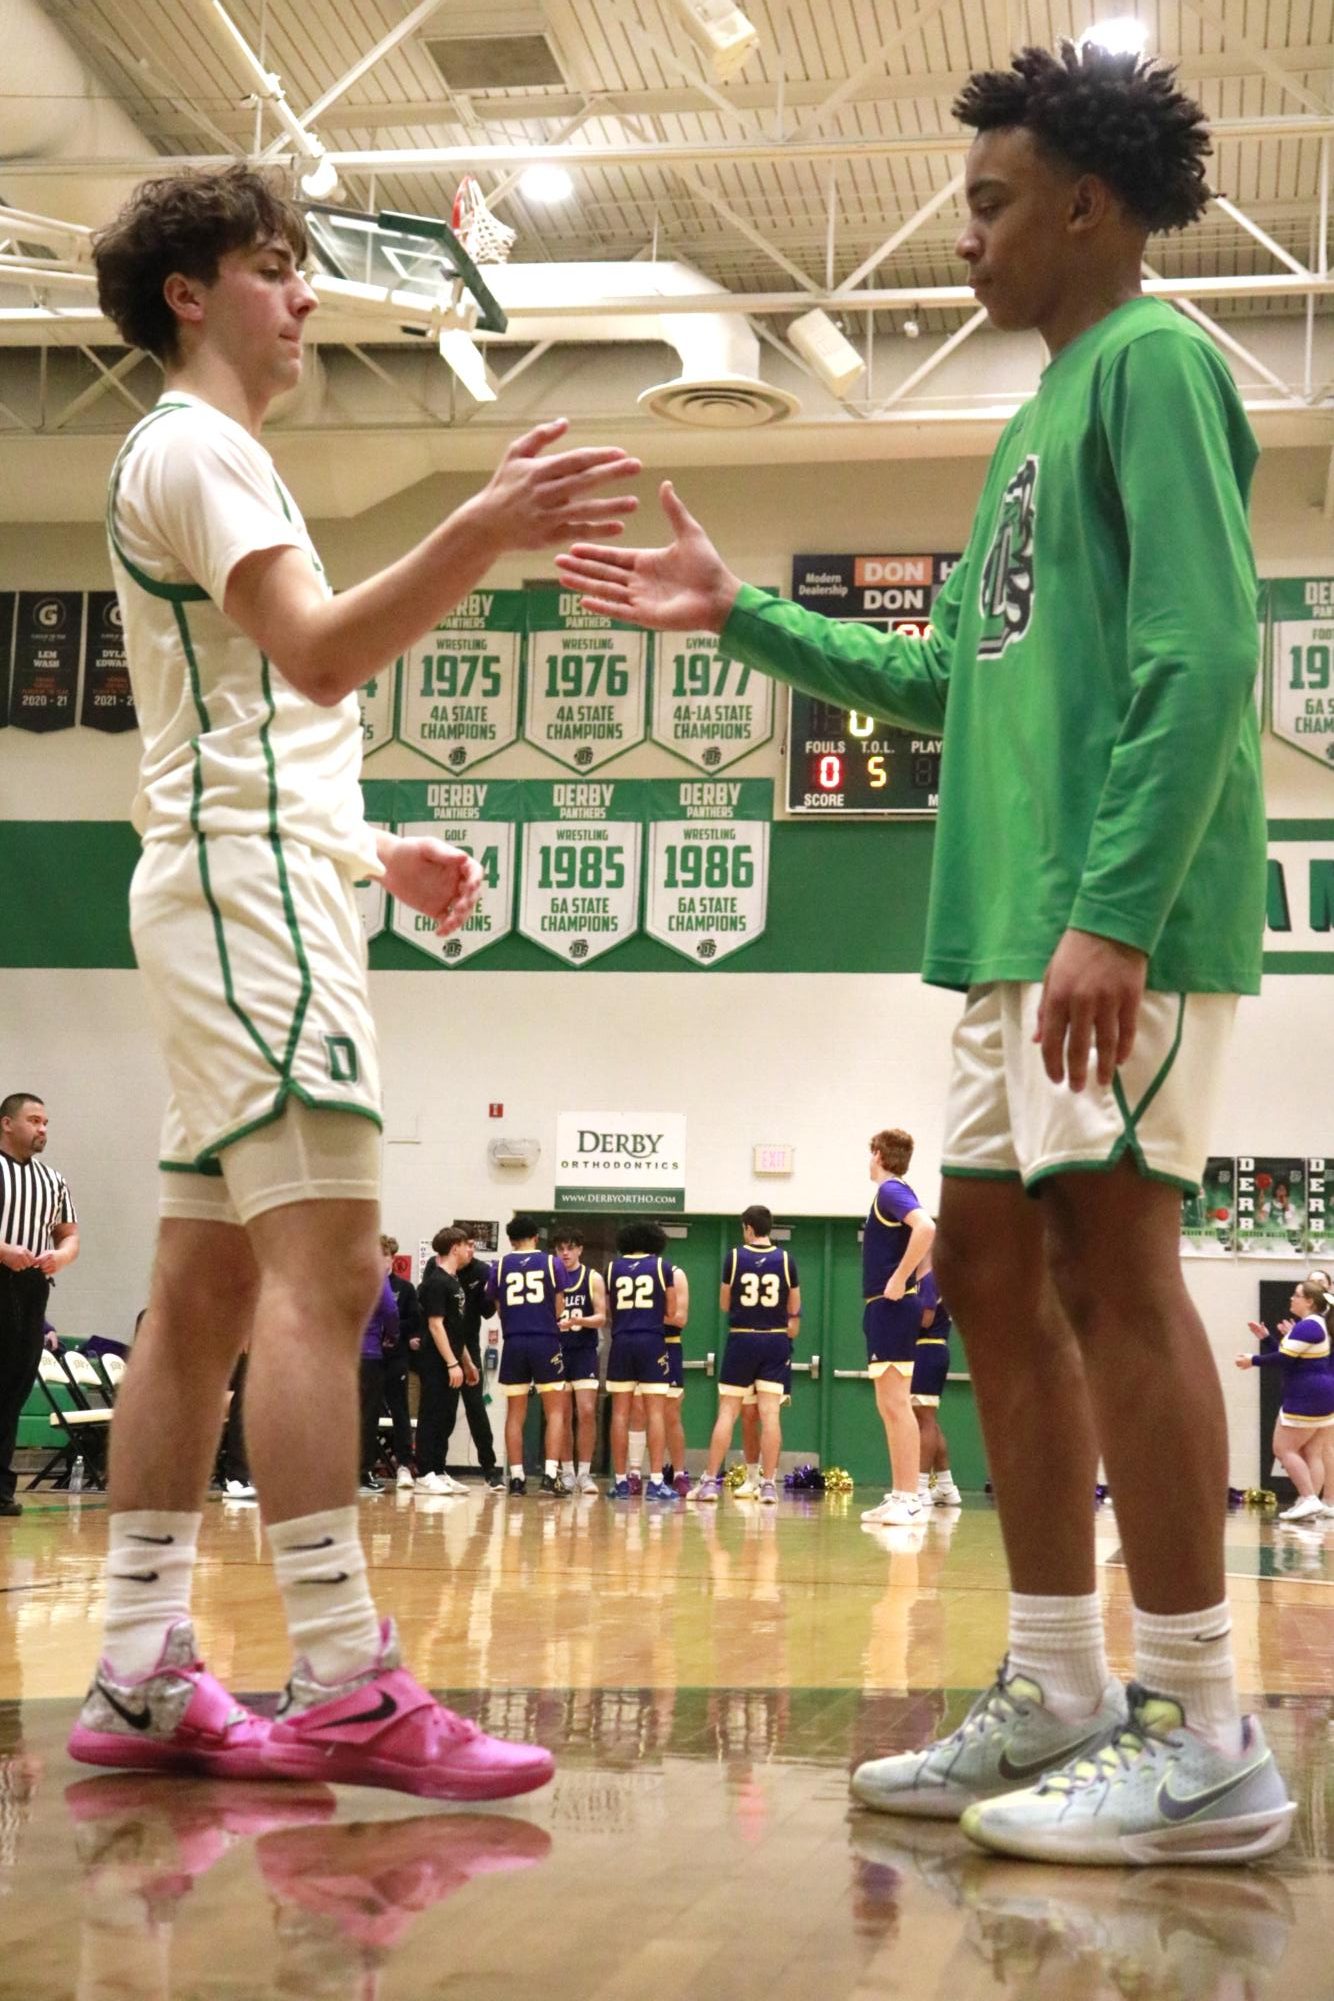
(708,864)
(581,847)
(585,682)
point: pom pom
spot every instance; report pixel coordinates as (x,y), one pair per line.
(1101,1493)
(1236,1496)
(837,1480)
(734,1477)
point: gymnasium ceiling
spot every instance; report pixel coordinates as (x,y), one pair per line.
(788,180)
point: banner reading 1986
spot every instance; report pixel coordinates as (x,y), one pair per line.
(459,686)
(581,847)
(478,816)
(585,688)
(708,864)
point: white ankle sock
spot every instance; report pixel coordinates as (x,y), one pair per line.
(752,1470)
(638,1447)
(321,1571)
(585,1468)
(1058,1643)
(150,1566)
(1188,1655)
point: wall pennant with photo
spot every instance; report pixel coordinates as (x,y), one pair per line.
(1271,1206)
(1209,1218)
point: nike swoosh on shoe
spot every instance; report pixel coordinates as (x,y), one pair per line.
(138,1719)
(325,1542)
(1033,1770)
(161,1541)
(383,1710)
(1173,1808)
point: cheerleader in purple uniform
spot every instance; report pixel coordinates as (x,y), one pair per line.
(1302,1437)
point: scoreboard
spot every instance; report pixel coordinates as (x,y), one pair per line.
(843,762)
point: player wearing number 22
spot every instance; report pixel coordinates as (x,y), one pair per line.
(641,1296)
(1098,894)
(524,1288)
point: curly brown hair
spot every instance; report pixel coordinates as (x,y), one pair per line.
(184,222)
(1118,116)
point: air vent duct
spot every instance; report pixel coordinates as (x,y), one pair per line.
(720,402)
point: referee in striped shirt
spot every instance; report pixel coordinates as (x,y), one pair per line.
(39,1236)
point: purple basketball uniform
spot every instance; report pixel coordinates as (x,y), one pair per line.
(931,1361)
(1308,1372)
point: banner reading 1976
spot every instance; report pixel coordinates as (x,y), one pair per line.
(478,816)
(459,686)
(585,685)
(581,847)
(708,864)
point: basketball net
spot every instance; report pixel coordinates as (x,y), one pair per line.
(484,236)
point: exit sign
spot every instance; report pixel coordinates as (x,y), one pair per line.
(774,1159)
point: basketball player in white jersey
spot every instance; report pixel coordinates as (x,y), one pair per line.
(245,669)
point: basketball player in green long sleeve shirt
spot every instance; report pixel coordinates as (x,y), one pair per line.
(1098,897)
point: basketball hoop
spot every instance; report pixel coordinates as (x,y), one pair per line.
(484,236)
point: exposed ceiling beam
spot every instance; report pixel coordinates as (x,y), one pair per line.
(637,153)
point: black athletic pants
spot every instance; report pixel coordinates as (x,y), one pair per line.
(23,1297)
(474,1407)
(396,1401)
(431,1410)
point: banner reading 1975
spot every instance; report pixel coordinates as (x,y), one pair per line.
(459,686)
(708,864)
(581,847)
(585,682)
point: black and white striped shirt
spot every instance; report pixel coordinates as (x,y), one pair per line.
(33,1199)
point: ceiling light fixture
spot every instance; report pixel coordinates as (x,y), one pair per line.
(321,182)
(546,184)
(1123,35)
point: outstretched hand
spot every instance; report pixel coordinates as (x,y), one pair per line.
(532,502)
(684,587)
(428,875)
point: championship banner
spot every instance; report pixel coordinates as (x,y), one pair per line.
(8,600)
(581,850)
(707,707)
(842,761)
(1319,1215)
(458,700)
(478,816)
(1301,646)
(108,703)
(1271,1206)
(48,633)
(584,703)
(376,702)
(708,864)
(621,1160)
(1209,1219)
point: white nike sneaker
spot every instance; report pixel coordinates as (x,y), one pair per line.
(749,1490)
(584,1483)
(239,1490)
(896,1511)
(1008,1738)
(1155,1793)
(449,1485)
(404,1478)
(946,1495)
(1304,1509)
(429,1483)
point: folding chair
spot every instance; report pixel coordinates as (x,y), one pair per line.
(90,1427)
(59,1392)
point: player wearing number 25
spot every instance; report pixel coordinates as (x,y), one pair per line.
(1098,885)
(524,1288)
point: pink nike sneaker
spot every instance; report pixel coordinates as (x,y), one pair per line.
(175,1718)
(384,1729)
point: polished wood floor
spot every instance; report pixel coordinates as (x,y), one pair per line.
(706,1680)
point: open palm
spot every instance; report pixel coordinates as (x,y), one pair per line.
(684,587)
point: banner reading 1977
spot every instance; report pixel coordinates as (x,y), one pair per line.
(479,817)
(708,864)
(707,707)
(585,689)
(459,686)
(581,847)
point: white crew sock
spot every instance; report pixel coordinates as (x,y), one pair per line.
(567,1469)
(585,1468)
(551,1467)
(752,1471)
(150,1567)
(923,1484)
(321,1571)
(1188,1655)
(1058,1643)
(638,1447)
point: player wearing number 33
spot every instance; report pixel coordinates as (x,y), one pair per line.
(1098,888)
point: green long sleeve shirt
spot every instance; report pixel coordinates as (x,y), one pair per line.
(1091,662)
